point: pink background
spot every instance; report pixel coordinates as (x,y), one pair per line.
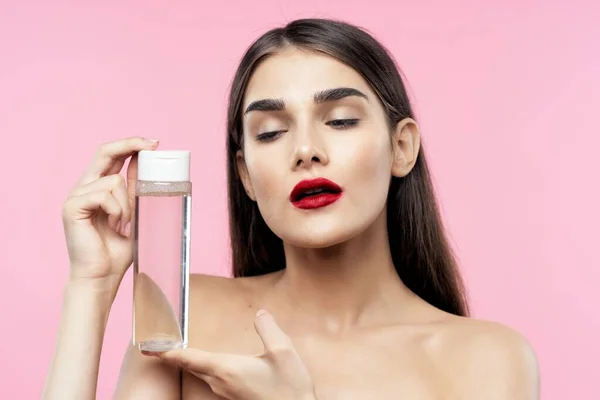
(508,97)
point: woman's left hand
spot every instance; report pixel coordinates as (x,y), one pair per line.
(277,374)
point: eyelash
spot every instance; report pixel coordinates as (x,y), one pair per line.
(335,124)
(343,123)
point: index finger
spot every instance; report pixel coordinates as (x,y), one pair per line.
(115,152)
(273,338)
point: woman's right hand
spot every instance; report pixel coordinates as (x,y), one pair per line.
(98,213)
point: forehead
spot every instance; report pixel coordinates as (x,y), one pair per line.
(296,74)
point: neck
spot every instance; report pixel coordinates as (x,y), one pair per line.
(350,284)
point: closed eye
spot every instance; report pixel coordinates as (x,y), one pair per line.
(343,123)
(268,136)
(335,123)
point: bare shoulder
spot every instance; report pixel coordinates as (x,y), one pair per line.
(210,294)
(201,284)
(221,320)
(224,290)
(490,358)
(222,306)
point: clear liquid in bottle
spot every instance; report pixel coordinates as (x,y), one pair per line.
(162,251)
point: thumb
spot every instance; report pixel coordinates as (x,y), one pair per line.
(132,174)
(191,359)
(173,356)
(270,333)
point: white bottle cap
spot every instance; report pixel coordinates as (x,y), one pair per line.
(164,165)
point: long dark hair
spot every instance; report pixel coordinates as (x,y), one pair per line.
(420,250)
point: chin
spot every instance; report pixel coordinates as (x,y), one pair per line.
(318,237)
(321,230)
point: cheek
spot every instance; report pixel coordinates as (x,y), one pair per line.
(370,161)
(265,177)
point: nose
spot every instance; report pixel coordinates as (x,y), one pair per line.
(307,151)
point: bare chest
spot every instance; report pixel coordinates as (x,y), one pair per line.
(367,369)
(382,367)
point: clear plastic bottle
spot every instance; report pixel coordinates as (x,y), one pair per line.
(163,205)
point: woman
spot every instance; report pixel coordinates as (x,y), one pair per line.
(345,285)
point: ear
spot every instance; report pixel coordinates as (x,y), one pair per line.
(406,142)
(244,176)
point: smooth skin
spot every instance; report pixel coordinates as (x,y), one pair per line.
(337,322)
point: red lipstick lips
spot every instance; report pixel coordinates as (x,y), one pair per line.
(315,193)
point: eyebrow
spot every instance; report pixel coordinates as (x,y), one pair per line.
(319,98)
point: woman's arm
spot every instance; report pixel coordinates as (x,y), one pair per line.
(97,217)
(73,371)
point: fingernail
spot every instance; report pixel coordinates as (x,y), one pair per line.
(127,229)
(118,227)
(260,313)
(152,141)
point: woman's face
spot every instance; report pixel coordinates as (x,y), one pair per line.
(309,116)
